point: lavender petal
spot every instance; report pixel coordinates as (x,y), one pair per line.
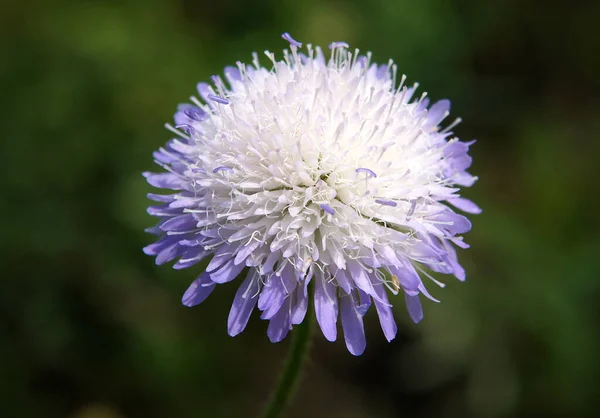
(413,305)
(326,308)
(465,205)
(227,273)
(243,304)
(198,291)
(384,311)
(280,324)
(352,323)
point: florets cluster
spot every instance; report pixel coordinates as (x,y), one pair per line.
(320,169)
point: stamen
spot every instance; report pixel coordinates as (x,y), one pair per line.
(401,85)
(255,60)
(452,125)
(411,211)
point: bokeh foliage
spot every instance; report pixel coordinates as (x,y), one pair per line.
(90,328)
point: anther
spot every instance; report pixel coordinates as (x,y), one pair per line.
(386,202)
(218,99)
(335,45)
(188,129)
(369,172)
(197,170)
(327,208)
(223,168)
(291,40)
(195,113)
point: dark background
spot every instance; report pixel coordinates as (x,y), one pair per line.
(91,328)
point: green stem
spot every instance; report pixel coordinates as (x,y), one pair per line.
(290,378)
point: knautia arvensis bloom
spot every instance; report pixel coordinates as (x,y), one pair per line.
(320,166)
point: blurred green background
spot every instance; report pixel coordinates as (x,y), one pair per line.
(91,328)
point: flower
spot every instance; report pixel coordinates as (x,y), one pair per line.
(315,169)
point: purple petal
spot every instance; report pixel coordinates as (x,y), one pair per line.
(161,197)
(384,311)
(407,276)
(413,305)
(459,242)
(163,210)
(425,292)
(156,247)
(360,277)
(271,297)
(362,61)
(456,149)
(227,273)
(165,249)
(342,279)
(365,302)
(180,223)
(243,304)
(192,256)
(154,230)
(465,179)
(352,323)
(245,252)
(326,308)
(452,259)
(198,291)
(423,105)
(232,74)
(465,205)
(181,119)
(452,223)
(204,90)
(223,254)
(267,266)
(301,306)
(456,155)
(279,326)
(410,91)
(164,180)
(382,71)
(438,112)
(165,156)
(169,253)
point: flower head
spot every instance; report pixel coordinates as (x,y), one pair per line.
(320,168)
